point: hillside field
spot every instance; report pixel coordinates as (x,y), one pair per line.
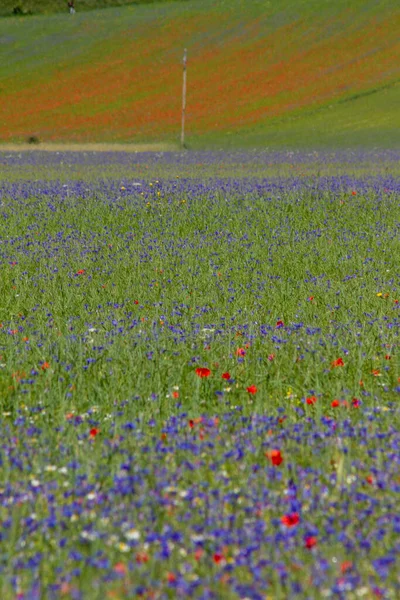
(293,73)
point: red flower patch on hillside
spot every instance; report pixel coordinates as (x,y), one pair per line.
(126,86)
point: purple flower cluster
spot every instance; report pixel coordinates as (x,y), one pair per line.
(197,506)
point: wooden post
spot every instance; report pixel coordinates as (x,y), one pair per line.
(183,99)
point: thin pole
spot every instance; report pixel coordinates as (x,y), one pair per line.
(183,99)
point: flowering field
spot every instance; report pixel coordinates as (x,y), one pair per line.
(199,376)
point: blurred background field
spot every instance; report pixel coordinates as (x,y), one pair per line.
(260,74)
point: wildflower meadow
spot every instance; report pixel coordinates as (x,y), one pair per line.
(199,375)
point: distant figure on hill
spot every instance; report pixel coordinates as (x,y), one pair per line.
(71,7)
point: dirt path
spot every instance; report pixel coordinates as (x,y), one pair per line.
(48,147)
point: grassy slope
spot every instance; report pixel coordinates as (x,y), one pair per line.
(259,73)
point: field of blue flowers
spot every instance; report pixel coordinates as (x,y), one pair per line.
(199,376)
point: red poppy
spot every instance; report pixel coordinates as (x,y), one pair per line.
(226,375)
(376,372)
(203,372)
(311,400)
(171,577)
(369,479)
(80,272)
(142,557)
(136,302)
(310,541)
(45,366)
(290,520)
(198,553)
(346,566)
(93,432)
(175,394)
(387,357)
(275,457)
(355,403)
(271,357)
(335,403)
(120,568)
(338,362)
(240,352)
(310,298)
(280,324)
(191,423)
(252,389)
(218,557)
(354,193)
